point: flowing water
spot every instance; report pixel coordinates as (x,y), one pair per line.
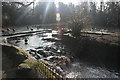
(40,42)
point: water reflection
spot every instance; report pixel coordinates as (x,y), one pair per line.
(77,69)
(33,41)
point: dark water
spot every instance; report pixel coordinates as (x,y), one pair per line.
(77,69)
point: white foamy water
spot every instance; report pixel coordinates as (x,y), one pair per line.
(84,71)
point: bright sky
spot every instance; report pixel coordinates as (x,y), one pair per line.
(67,1)
(56,1)
(72,1)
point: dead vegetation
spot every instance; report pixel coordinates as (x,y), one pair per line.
(19,64)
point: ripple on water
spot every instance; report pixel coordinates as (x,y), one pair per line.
(77,69)
(83,71)
(33,42)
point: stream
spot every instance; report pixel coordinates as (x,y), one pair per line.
(44,46)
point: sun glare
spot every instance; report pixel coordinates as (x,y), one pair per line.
(67,1)
(57,14)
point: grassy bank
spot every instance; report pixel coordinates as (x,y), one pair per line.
(91,50)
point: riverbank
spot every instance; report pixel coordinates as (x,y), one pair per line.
(19,64)
(94,51)
(86,54)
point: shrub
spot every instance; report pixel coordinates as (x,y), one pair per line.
(76,27)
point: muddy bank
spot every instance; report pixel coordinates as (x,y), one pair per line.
(19,64)
(70,57)
(12,57)
(88,49)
